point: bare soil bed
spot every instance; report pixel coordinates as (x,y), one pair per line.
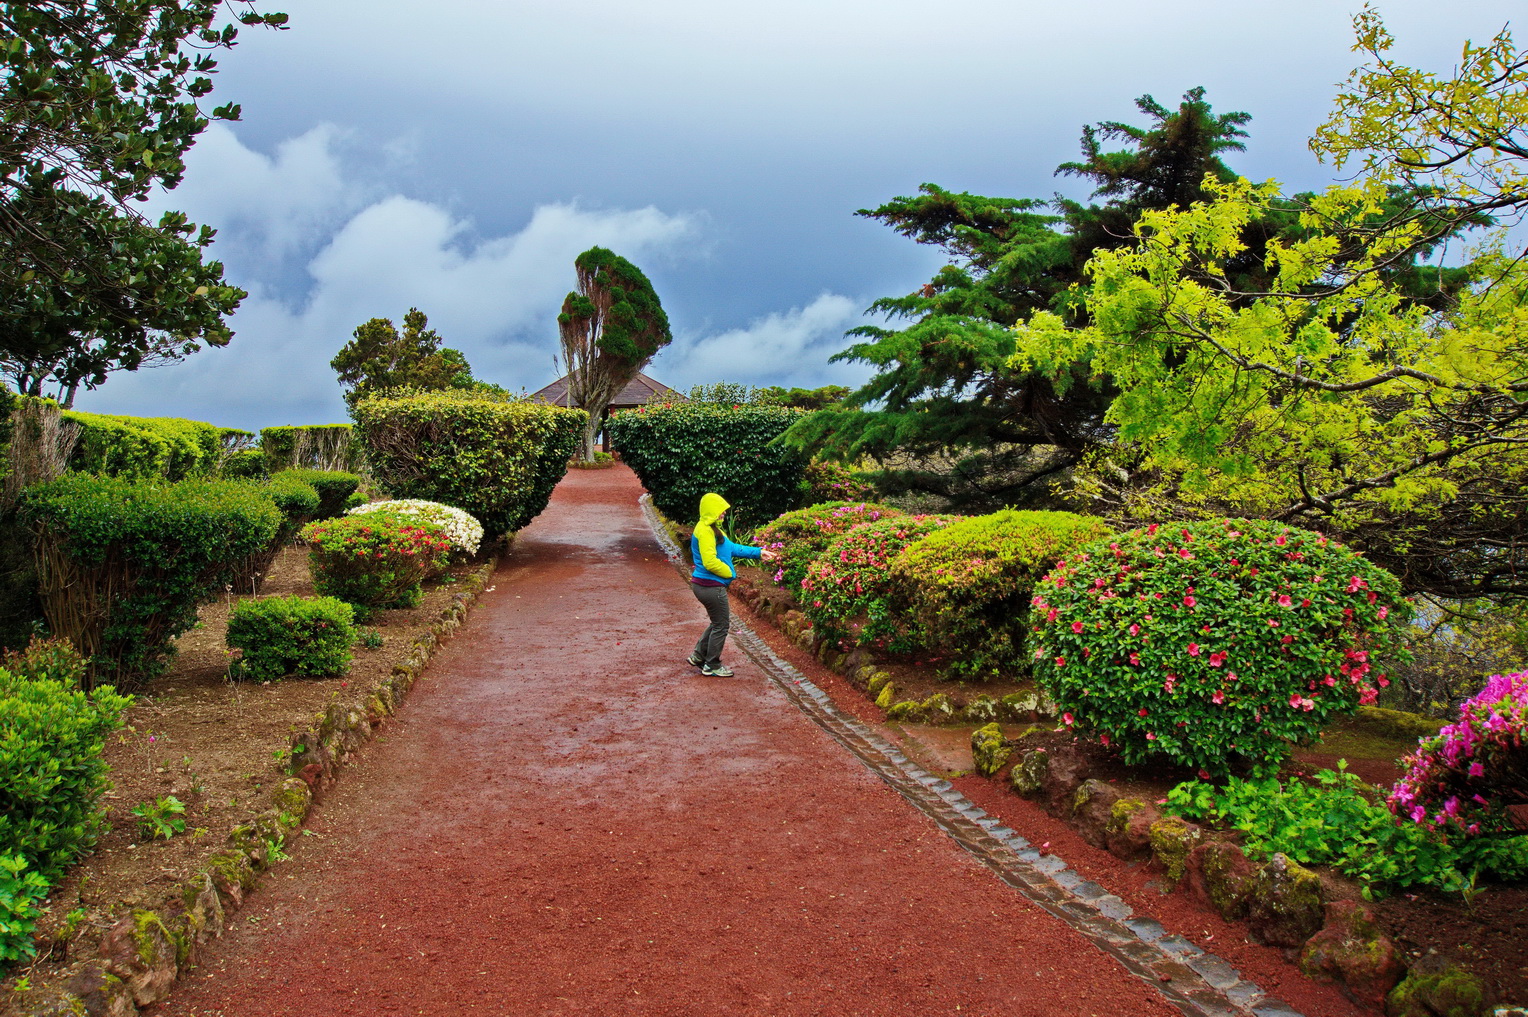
(219,747)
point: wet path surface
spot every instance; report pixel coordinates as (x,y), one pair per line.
(564,818)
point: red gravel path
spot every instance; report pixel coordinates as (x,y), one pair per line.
(566,819)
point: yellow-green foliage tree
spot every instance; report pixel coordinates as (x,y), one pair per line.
(1330,397)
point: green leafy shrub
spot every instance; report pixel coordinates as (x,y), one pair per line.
(145,447)
(114,448)
(965,590)
(1339,821)
(52,774)
(291,635)
(47,658)
(324,447)
(823,481)
(298,502)
(497,460)
(464,532)
(161,818)
(244,464)
(20,891)
(373,561)
(123,564)
(335,489)
(801,535)
(1213,643)
(847,585)
(680,451)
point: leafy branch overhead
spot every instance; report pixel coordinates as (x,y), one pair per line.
(610,327)
(99,104)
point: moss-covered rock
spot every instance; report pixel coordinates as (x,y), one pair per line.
(1223,877)
(143,952)
(1127,835)
(1285,907)
(1092,808)
(983,710)
(886,697)
(1449,992)
(1172,839)
(1029,777)
(1351,950)
(877,681)
(1396,723)
(989,749)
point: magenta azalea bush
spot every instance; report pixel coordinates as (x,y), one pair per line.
(1473,771)
(802,535)
(846,589)
(1213,644)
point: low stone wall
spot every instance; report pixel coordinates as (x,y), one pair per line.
(1331,936)
(142,955)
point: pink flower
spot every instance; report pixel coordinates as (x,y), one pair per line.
(1066,718)
(1135,630)
(1383,611)
(1284,600)
(1218,697)
(1193,649)
(1141,712)
(1477,770)
(1077,626)
(1150,737)
(1189,602)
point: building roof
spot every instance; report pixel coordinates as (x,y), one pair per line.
(638,392)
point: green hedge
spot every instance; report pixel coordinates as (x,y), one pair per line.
(497,460)
(244,464)
(683,450)
(334,489)
(965,590)
(298,501)
(52,774)
(282,636)
(143,447)
(313,447)
(123,564)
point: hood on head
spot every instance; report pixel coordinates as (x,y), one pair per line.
(711,507)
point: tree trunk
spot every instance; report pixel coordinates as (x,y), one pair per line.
(591,431)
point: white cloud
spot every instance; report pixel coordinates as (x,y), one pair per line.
(788,348)
(495,298)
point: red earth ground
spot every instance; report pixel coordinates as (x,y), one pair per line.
(567,819)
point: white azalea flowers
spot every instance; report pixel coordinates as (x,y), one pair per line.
(463,531)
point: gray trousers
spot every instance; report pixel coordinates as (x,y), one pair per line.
(714,600)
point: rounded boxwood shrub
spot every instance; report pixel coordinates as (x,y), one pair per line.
(291,635)
(497,459)
(1467,777)
(464,532)
(52,774)
(802,535)
(846,592)
(373,561)
(334,487)
(1213,644)
(967,587)
(124,564)
(682,450)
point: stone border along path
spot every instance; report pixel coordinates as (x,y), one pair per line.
(1198,983)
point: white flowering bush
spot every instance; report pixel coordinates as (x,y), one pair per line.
(463,531)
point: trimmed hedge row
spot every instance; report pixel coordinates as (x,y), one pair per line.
(495,459)
(681,451)
(329,447)
(144,447)
(123,564)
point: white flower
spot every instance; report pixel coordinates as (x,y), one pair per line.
(463,531)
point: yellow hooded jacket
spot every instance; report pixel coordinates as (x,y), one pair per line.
(712,557)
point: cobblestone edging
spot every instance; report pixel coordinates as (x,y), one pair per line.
(1197,983)
(140,957)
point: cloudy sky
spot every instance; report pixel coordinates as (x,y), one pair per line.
(456,156)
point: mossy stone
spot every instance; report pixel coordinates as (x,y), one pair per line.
(877,682)
(1172,838)
(1447,993)
(886,696)
(989,749)
(1029,776)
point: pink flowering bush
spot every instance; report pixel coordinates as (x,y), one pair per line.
(376,560)
(846,589)
(1213,644)
(1466,777)
(802,535)
(967,587)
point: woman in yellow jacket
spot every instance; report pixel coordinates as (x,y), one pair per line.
(713,551)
